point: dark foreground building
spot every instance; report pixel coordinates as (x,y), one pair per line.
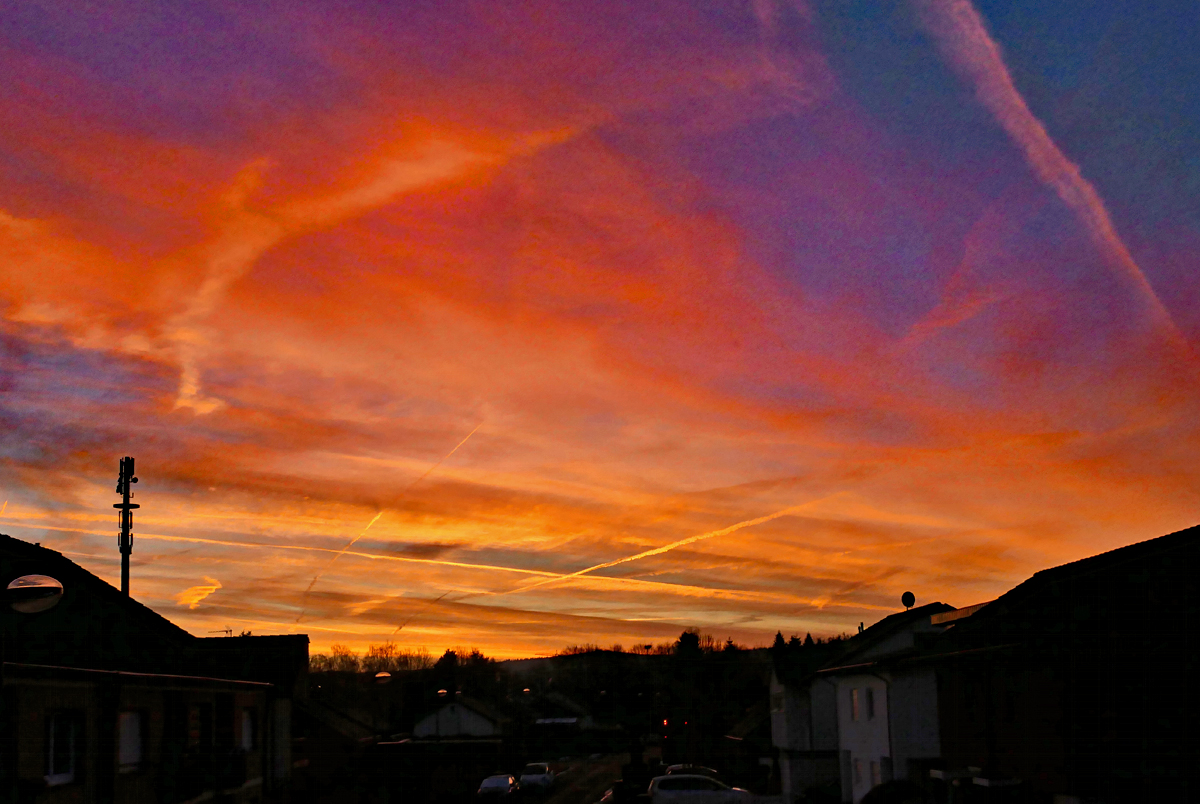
(103,700)
(1080,684)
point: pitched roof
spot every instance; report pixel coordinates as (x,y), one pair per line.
(44,561)
(95,626)
(475,705)
(858,647)
(1120,591)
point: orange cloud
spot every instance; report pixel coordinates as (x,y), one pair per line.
(193,595)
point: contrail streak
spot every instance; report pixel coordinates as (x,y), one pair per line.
(672,588)
(657,551)
(413,616)
(406,490)
(307,548)
(964,40)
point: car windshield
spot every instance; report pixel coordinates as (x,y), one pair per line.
(535,768)
(494,781)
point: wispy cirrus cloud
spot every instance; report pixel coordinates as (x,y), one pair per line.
(691,265)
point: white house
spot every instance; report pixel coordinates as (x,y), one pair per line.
(460,717)
(886,700)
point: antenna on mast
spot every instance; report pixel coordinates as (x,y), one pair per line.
(125,540)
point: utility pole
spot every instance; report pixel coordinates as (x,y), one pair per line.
(124,480)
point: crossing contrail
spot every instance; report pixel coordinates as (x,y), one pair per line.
(668,547)
(363,532)
(413,616)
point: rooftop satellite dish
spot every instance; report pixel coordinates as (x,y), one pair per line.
(908,599)
(383,677)
(30,594)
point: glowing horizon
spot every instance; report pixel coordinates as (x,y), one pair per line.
(521,327)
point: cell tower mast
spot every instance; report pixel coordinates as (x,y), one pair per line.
(124,480)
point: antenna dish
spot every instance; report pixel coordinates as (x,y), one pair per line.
(908,599)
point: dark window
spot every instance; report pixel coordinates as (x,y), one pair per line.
(199,727)
(249,729)
(870,703)
(224,722)
(130,740)
(64,747)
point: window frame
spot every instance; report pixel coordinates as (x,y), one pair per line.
(139,718)
(250,715)
(73,720)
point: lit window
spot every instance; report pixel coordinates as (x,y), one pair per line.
(249,729)
(870,703)
(64,735)
(854,704)
(129,741)
(876,776)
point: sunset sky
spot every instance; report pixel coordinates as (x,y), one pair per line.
(516,325)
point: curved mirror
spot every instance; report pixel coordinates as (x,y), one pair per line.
(30,594)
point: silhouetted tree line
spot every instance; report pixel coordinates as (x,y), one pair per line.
(706,643)
(795,642)
(387,657)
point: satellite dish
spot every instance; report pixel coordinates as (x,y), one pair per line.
(30,594)
(908,599)
(383,677)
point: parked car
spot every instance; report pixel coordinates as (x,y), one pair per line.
(500,786)
(684,788)
(694,770)
(537,774)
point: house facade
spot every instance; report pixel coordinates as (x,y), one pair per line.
(804,720)
(887,702)
(104,700)
(460,717)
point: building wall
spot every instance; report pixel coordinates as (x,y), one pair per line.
(455,720)
(824,715)
(170,768)
(789,717)
(913,722)
(863,735)
(804,730)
